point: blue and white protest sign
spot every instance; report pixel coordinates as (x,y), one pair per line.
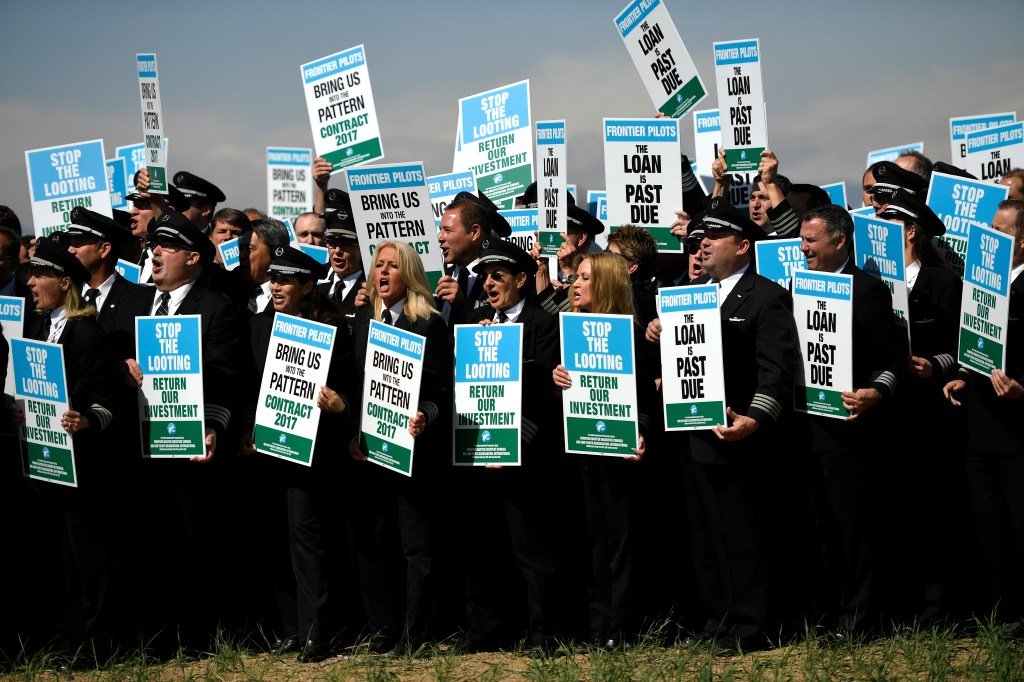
(152,123)
(134,156)
(342,115)
(318,253)
(707,139)
(837,193)
(743,118)
(600,407)
(230,253)
(878,250)
(169,350)
(117,182)
(823,310)
(488,394)
(391,393)
(985,305)
(994,151)
(893,153)
(597,204)
(961,203)
(692,369)
(552,204)
(960,126)
(130,271)
(287,415)
(41,390)
(661,58)
(496,137)
(62,177)
(778,259)
(444,188)
(289,182)
(12,319)
(643,176)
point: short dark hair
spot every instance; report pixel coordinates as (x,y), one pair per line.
(472,213)
(816,198)
(9,219)
(1018,206)
(272,232)
(233,217)
(837,221)
(922,164)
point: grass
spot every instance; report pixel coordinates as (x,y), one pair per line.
(939,653)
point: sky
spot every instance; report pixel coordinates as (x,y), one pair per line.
(840,79)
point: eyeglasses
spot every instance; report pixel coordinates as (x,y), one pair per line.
(151,244)
(692,246)
(496,275)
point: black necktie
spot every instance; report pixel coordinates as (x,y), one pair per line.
(44,328)
(143,258)
(165,304)
(502,317)
(256,291)
(91,296)
(462,278)
(385,316)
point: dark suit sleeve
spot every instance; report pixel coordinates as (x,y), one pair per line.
(784,220)
(89,387)
(947,292)
(540,396)
(436,384)
(224,358)
(776,355)
(647,371)
(342,380)
(880,344)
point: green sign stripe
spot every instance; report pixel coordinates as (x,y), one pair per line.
(498,446)
(737,162)
(695,414)
(600,436)
(51,463)
(292,447)
(979,352)
(820,401)
(361,152)
(686,98)
(389,454)
(174,438)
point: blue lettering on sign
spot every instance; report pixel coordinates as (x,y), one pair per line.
(117,182)
(288,156)
(332,65)
(879,247)
(641,130)
(740,52)
(396,340)
(988,260)
(305,332)
(823,285)
(995,138)
(688,298)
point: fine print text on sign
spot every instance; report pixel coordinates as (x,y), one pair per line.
(152,123)
(823,309)
(552,204)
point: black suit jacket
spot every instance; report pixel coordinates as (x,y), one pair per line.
(934,307)
(760,352)
(471,303)
(118,290)
(346,305)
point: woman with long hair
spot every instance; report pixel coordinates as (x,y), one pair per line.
(602,285)
(398,295)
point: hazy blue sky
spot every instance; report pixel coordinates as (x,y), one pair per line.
(839,79)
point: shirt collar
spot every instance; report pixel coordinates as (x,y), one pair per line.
(177,296)
(396,310)
(843,266)
(513,312)
(104,288)
(1015,273)
(729,283)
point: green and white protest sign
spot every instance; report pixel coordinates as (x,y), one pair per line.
(995,151)
(392,203)
(660,56)
(391,390)
(152,123)
(878,251)
(643,177)
(985,305)
(778,259)
(41,390)
(341,111)
(287,416)
(289,182)
(171,407)
(12,319)
(741,103)
(552,204)
(893,153)
(488,394)
(692,369)
(961,203)
(600,408)
(960,126)
(707,138)
(62,177)
(496,141)
(444,188)
(823,309)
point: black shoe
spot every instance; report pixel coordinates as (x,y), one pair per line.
(314,652)
(287,645)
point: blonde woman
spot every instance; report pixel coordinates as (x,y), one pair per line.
(399,295)
(602,286)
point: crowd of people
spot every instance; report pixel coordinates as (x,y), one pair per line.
(910,510)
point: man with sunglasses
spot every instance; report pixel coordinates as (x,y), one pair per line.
(343,253)
(142,215)
(96,241)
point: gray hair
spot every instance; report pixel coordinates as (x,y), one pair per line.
(837,221)
(272,232)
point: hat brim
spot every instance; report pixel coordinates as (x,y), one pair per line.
(498,259)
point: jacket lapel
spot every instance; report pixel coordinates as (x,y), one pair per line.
(739,294)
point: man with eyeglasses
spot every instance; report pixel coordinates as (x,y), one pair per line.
(343,253)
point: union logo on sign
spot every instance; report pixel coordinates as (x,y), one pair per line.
(349,152)
(498,178)
(821,396)
(485,437)
(693,409)
(46,453)
(384,446)
(600,427)
(981,343)
(171,428)
(282,439)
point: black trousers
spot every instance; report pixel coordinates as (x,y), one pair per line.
(997,490)
(308,522)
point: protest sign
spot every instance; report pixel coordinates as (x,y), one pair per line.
(130,271)
(169,349)
(961,203)
(741,103)
(117,182)
(600,408)
(570,187)
(152,123)
(62,177)
(837,193)
(318,253)
(12,319)
(960,126)
(692,370)
(444,188)
(660,56)
(230,253)
(41,390)
(523,222)
(995,151)
(893,153)
(552,205)
(391,203)
(496,139)
(488,394)
(878,251)
(287,415)
(778,259)
(643,177)
(342,116)
(392,376)
(134,156)
(289,182)
(707,138)
(985,302)
(597,204)
(823,309)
